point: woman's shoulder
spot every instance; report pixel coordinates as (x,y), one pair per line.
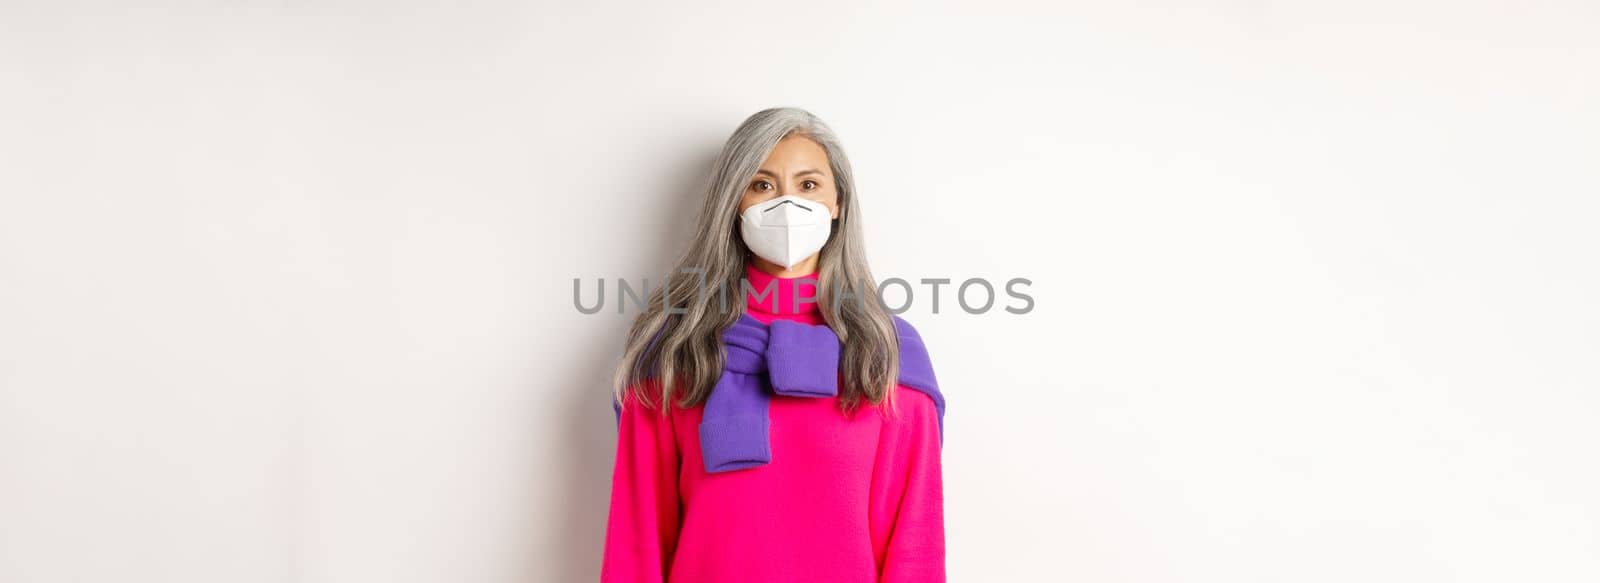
(642,395)
(912,347)
(913,417)
(904,329)
(916,366)
(912,400)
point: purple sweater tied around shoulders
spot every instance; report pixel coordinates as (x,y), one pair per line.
(792,359)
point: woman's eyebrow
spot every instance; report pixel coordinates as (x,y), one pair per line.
(800,173)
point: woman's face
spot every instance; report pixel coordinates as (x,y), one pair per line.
(796,166)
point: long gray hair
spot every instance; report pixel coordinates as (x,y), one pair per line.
(678,343)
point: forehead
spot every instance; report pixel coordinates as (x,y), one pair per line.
(794,151)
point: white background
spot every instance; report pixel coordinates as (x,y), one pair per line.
(286,288)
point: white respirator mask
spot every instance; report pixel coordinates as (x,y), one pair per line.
(786,230)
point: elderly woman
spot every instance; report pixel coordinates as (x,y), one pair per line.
(775,422)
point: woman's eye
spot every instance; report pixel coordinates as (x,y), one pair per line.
(762,185)
(809,184)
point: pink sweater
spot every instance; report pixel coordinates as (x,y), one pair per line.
(846,498)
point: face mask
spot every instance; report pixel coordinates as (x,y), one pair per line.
(786,230)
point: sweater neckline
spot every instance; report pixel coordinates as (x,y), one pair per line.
(781,298)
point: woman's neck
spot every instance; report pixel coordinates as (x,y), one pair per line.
(772,297)
(801,269)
